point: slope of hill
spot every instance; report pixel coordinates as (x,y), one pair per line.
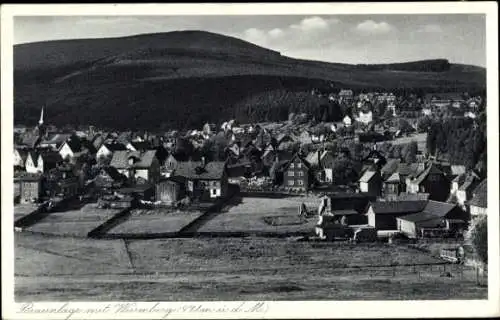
(186,78)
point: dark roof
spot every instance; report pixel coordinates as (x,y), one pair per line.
(30,140)
(480,195)
(195,170)
(26,176)
(113,173)
(419,216)
(440,209)
(115,146)
(344,212)
(120,159)
(392,207)
(390,167)
(140,145)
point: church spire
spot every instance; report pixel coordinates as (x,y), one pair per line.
(40,122)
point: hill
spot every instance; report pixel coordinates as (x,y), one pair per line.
(185,78)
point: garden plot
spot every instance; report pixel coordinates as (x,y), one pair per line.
(78,222)
(264,215)
(156,221)
(22,210)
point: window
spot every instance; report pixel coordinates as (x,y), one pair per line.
(290,182)
(292,165)
(299,165)
(291,173)
(300,183)
(301,174)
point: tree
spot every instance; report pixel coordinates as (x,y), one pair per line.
(409,152)
(479,238)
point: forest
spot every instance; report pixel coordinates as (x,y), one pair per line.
(460,141)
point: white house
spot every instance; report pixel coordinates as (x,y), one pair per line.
(479,203)
(135,164)
(106,150)
(40,163)
(365,117)
(427,111)
(347,121)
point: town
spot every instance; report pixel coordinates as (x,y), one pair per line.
(393,169)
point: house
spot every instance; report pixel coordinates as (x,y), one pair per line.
(40,162)
(347,121)
(106,149)
(138,146)
(432,180)
(30,140)
(329,228)
(55,141)
(203,181)
(30,186)
(108,179)
(344,201)
(346,95)
(72,148)
(285,141)
(436,216)
(305,137)
(168,191)
(137,165)
(382,215)
(169,166)
(365,117)
(374,158)
(479,202)
(393,185)
(463,186)
(296,174)
(20,156)
(371,182)
(427,111)
(321,162)
(62,182)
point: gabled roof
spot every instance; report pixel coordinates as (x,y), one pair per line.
(419,217)
(410,169)
(457,170)
(395,207)
(431,169)
(367,176)
(391,166)
(115,146)
(140,145)
(30,140)
(395,177)
(439,209)
(120,159)
(113,173)
(314,157)
(295,157)
(195,170)
(480,195)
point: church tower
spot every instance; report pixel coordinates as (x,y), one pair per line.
(40,122)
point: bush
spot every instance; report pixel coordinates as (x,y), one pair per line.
(479,238)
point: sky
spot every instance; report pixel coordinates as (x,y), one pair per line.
(460,38)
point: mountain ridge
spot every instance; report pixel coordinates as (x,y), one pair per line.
(192,75)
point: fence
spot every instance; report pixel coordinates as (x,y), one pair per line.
(418,271)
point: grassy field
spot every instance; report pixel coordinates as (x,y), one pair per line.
(261,214)
(77,222)
(21,210)
(56,268)
(155,221)
(420,138)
